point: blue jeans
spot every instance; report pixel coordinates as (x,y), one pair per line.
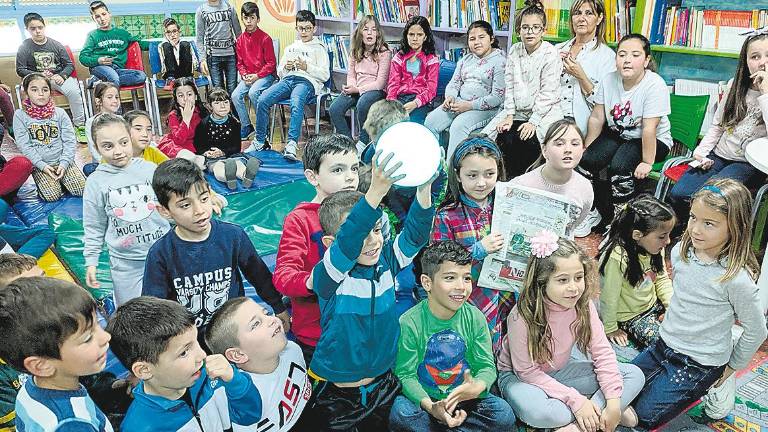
(26,240)
(120,77)
(489,414)
(253,91)
(672,382)
(419,114)
(299,90)
(222,67)
(362,103)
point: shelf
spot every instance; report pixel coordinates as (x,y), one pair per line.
(694,51)
(463,30)
(392,24)
(334,19)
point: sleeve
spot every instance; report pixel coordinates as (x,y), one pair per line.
(25,63)
(663,285)
(178,130)
(549,93)
(268,56)
(395,77)
(762,100)
(66,62)
(239,54)
(454,85)
(509,86)
(714,133)
(257,273)
(743,295)
(243,399)
(235,22)
(234,144)
(407,361)
(68,140)
(382,73)
(493,99)
(200,31)
(281,72)
(352,71)
(426,95)
(94,223)
(607,65)
(289,277)
(656,102)
(599,97)
(156,282)
(415,234)
(613,281)
(483,366)
(8,394)
(88,56)
(319,69)
(441,229)
(604,358)
(24,142)
(76,427)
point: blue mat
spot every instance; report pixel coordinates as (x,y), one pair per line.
(274,170)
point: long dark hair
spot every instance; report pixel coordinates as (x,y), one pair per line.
(735,108)
(428,47)
(187,81)
(475,144)
(485,25)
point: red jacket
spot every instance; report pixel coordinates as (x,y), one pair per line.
(255,54)
(424,85)
(299,250)
(180,135)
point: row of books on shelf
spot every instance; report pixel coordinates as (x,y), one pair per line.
(461,13)
(394,11)
(618,18)
(454,54)
(339,45)
(328,8)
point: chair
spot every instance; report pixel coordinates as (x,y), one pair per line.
(134,61)
(156,83)
(685,120)
(57,93)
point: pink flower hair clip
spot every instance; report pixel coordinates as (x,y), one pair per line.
(544,244)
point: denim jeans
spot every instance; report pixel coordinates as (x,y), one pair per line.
(362,103)
(253,91)
(489,414)
(419,114)
(222,67)
(672,382)
(25,240)
(119,77)
(299,90)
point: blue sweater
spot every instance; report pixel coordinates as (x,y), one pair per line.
(203,275)
(207,406)
(40,410)
(357,303)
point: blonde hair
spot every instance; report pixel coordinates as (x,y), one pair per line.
(532,309)
(382,115)
(358,47)
(732,199)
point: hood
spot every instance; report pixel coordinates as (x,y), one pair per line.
(111,169)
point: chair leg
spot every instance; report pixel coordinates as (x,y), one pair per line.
(135,99)
(317,116)
(272,125)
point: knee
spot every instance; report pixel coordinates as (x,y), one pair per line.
(499,414)
(633,377)
(21,164)
(405,414)
(336,109)
(541,417)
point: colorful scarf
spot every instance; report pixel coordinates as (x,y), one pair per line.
(39,112)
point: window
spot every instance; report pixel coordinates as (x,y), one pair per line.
(70,31)
(10,37)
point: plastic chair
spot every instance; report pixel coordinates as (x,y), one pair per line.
(134,61)
(56,93)
(685,120)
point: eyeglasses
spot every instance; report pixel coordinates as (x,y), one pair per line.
(171,32)
(305,29)
(536,28)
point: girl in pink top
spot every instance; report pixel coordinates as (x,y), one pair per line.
(543,378)
(414,70)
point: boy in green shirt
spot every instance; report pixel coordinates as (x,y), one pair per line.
(444,358)
(105,50)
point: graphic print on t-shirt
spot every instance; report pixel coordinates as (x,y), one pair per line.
(203,293)
(43,133)
(44,60)
(444,362)
(622,117)
(128,207)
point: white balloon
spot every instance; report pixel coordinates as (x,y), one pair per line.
(416,147)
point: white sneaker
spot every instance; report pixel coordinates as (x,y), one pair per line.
(585,227)
(289,152)
(719,401)
(255,146)
(360,148)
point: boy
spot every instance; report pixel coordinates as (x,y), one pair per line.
(14,266)
(444,357)
(198,263)
(249,336)
(119,209)
(141,137)
(255,63)
(355,285)
(177,58)
(180,388)
(105,50)
(50,331)
(216,27)
(330,165)
(42,54)
(303,71)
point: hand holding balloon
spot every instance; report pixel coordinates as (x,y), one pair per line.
(415,147)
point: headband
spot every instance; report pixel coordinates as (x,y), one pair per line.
(755,32)
(714,189)
(468,144)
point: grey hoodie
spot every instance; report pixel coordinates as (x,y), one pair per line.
(120,209)
(216,28)
(48,141)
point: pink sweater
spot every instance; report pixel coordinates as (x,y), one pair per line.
(424,85)
(514,355)
(369,74)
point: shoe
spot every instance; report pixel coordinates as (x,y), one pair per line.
(289,152)
(168,84)
(251,168)
(246,131)
(255,146)
(91,81)
(585,227)
(230,173)
(200,162)
(80,134)
(720,401)
(360,148)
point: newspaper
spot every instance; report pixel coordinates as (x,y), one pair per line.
(519,213)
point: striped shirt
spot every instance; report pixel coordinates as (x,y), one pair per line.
(43,410)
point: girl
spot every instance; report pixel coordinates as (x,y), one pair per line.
(546,385)
(532,92)
(737,122)
(414,70)
(715,272)
(465,216)
(183,119)
(476,89)
(628,130)
(561,153)
(369,62)
(141,137)
(106,96)
(45,136)
(636,288)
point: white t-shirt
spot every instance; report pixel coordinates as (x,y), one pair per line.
(284,393)
(626,109)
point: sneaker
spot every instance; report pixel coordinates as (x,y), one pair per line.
(246,131)
(719,401)
(168,84)
(585,227)
(230,173)
(256,146)
(251,168)
(360,148)
(91,81)
(289,152)
(80,134)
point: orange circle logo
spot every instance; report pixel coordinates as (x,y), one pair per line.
(282,10)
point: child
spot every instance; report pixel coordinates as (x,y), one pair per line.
(546,385)
(369,62)
(737,122)
(45,135)
(330,165)
(16,265)
(180,388)
(628,130)
(187,112)
(414,70)
(42,54)
(105,51)
(561,153)
(444,357)
(106,97)
(465,216)
(119,209)
(252,338)
(532,92)
(50,331)
(355,285)
(177,57)
(303,71)
(140,125)
(216,28)
(255,63)
(198,263)
(476,89)
(714,285)
(635,286)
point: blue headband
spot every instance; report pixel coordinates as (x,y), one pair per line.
(714,189)
(470,143)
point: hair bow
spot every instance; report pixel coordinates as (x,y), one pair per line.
(544,244)
(755,32)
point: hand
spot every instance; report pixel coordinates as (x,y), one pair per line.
(726,374)
(661,318)
(46,73)
(527,130)
(705,162)
(572,67)
(57,79)
(350,89)
(642,170)
(619,337)
(410,106)
(105,60)
(187,110)
(492,242)
(382,178)
(610,416)
(301,64)
(218,203)
(452,420)
(286,319)
(469,389)
(204,67)
(448,103)
(50,172)
(129,383)
(218,367)
(460,106)
(310,279)
(250,78)
(587,417)
(5,88)
(90,277)
(59,172)
(505,124)
(215,152)
(760,81)
(290,65)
